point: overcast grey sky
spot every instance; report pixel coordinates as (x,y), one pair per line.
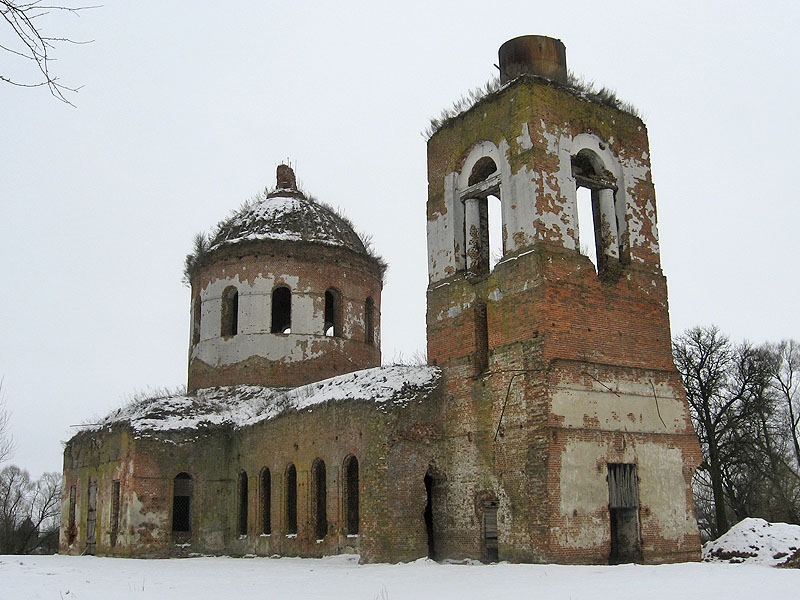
(187,108)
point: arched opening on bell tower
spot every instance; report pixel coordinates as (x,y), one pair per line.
(483,220)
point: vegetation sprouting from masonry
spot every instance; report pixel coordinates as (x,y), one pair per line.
(585,88)
(204,242)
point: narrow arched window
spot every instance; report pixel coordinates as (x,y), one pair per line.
(196,308)
(291,499)
(320,499)
(595,200)
(369,321)
(182,495)
(266,501)
(333,313)
(351,494)
(483,222)
(281,310)
(230,312)
(243,503)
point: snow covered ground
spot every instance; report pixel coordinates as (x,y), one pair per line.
(220,578)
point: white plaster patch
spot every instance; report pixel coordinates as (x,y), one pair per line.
(524,140)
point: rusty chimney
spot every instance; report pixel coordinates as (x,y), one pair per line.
(285,177)
(533,55)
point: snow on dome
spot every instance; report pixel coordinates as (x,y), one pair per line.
(286,214)
(242,405)
(755,541)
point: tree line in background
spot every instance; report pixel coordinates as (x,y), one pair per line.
(744,401)
(29,510)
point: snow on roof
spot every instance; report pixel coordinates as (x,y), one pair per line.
(287,215)
(754,541)
(242,405)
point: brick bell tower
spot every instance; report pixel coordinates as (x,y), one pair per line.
(566,420)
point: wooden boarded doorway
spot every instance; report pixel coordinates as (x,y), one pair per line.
(623,508)
(490,548)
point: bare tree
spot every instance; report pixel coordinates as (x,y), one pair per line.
(786,383)
(33,46)
(29,510)
(6,441)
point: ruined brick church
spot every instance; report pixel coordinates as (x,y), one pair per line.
(550,424)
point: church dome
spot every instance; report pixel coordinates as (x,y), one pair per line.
(287,214)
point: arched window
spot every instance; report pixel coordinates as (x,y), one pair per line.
(350,469)
(230,312)
(483,224)
(291,499)
(182,495)
(320,499)
(333,313)
(369,321)
(598,236)
(266,501)
(281,310)
(196,308)
(243,503)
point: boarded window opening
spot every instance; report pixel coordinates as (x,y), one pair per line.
(333,313)
(320,492)
(490,531)
(91,519)
(281,310)
(230,312)
(351,494)
(428,515)
(369,321)
(71,523)
(266,501)
(196,308)
(243,503)
(623,506)
(481,338)
(115,491)
(291,500)
(182,494)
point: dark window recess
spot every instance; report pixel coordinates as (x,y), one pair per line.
(230,312)
(369,321)
(281,310)
(333,313)
(114,511)
(320,499)
(266,501)
(490,530)
(623,508)
(243,503)
(291,500)
(481,338)
(183,492)
(71,524)
(351,494)
(196,308)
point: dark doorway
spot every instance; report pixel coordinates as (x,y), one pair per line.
(429,516)
(623,508)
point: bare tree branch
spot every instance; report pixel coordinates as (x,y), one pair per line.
(25,26)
